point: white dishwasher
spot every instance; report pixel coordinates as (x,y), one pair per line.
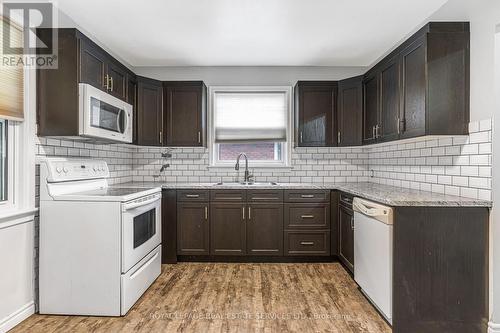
(373,253)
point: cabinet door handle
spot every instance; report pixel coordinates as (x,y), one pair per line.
(199,137)
(106,81)
(307,216)
(192,195)
(307,195)
(249,212)
(399,126)
(160,135)
(111,82)
(306,243)
(243,212)
(352,222)
(301,137)
(338,137)
(206,213)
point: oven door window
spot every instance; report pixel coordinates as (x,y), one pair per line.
(144,227)
(106,116)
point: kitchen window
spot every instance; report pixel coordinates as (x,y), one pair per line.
(250,120)
(17,156)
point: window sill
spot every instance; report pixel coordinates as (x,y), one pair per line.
(16,216)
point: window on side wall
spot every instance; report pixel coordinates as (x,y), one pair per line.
(250,120)
(11,121)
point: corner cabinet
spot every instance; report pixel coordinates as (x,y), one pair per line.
(149,112)
(185,119)
(421,88)
(315,113)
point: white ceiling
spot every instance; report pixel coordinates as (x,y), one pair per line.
(249,32)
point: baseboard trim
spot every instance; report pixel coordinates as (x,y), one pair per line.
(15,318)
(493,327)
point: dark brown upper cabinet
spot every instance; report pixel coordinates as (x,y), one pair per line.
(349,112)
(388,127)
(132,100)
(370,107)
(421,88)
(413,78)
(79,61)
(117,80)
(102,71)
(185,113)
(149,112)
(92,64)
(315,114)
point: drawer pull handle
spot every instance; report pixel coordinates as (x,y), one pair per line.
(206,213)
(243,212)
(307,195)
(192,195)
(263,198)
(306,243)
(307,216)
(229,198)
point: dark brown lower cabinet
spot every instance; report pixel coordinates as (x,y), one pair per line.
(228,228)
(440,277)
(307,243)
(169,227)
(334,223)
(193,228)
(265,229)
(346,237)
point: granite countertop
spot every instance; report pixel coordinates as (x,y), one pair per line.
(385,194)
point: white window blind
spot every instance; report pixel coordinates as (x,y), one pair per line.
(11,77)
(250,116)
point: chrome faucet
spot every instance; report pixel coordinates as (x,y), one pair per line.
(247,176)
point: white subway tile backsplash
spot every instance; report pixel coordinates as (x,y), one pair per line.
(458,165)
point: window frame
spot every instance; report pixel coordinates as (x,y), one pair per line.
(21,157)
(286,147)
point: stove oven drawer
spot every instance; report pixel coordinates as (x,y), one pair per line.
(138,279)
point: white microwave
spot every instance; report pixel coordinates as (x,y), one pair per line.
(103,116)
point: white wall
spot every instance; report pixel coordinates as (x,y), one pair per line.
(249,75)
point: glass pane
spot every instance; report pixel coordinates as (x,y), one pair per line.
(262,151)
(3,160)
(106,116)
(144,227)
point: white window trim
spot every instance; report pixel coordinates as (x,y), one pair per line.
(21,161)
(285,162)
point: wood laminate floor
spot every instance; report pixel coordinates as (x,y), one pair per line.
(227,297)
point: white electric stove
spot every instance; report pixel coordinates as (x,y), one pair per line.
(100,247)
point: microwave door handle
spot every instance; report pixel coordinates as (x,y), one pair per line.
(118,121)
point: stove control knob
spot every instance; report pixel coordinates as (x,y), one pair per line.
(65,170)
(95,168)
(58,169)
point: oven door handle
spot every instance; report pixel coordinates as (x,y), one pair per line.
(134,205)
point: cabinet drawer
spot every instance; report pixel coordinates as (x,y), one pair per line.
(192,195)
(268,196)
(300,243)
(307,196)
(307,216)
(228,195)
